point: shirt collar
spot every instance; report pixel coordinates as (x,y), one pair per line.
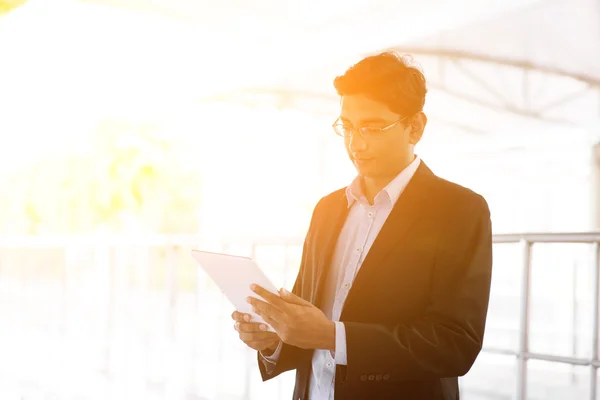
(390,192)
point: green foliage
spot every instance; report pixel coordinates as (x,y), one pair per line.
(128,176)
(9,5)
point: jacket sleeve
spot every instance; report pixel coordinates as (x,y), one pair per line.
(446,341)
(270,361)
(291,357)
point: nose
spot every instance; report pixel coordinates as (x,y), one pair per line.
(356,143)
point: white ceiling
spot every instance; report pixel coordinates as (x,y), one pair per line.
(221,45)
(93,56)
(562,36)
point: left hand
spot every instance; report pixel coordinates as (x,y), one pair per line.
(297,322)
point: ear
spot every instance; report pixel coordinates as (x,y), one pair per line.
(417,127)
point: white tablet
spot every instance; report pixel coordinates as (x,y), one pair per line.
(234,275)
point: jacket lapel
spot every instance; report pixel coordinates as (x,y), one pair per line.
(406,212)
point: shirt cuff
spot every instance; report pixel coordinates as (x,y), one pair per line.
(340,355)
(272,359)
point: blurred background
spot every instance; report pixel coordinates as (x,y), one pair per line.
(135,130)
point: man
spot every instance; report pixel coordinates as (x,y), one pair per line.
(392,294)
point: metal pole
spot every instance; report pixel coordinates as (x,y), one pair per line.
(171,291)
(64,309)
(250,358)
(595,321)
(198,310)
(524,322)
(172,385)
(574,320)
(595,187)
(106,263)
(225,248)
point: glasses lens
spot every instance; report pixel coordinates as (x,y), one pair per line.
(342,130)
(370,132)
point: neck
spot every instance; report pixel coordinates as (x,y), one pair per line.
(371,186)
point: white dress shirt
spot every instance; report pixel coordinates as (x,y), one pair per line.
(360,229)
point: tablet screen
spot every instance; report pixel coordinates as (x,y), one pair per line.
(234,275)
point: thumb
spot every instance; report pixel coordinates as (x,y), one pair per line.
(292,298)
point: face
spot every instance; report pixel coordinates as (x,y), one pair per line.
(387,154)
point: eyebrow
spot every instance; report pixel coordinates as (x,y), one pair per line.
(365,121)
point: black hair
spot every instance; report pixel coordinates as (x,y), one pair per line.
(387,78)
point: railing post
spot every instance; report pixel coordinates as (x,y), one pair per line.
(171,284)
(106,265)
(595,321)
(250,355)
(64,285)
(524,322)
(196,328)
(143,265)
(574,320)
(595,186)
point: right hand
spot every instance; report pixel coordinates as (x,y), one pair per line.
(255,335)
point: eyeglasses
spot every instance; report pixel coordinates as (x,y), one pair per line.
(367,132)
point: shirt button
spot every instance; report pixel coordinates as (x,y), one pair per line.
(328,365)
(358,250)
(370,214)
(346,285)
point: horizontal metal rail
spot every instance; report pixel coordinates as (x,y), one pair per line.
(528,242)
(583,237)
(194,240)
(543,357)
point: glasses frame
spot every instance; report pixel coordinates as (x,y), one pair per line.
(374,132)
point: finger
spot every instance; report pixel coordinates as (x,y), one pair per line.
(248,337)
(237,316)
(292,298)
(240,317)
(271,321)
(268,296)
(242,327)
(262,308)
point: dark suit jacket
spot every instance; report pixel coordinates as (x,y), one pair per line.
(416,312)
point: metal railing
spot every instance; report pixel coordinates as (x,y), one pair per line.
(153,276)
(523,354)
(125,269)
